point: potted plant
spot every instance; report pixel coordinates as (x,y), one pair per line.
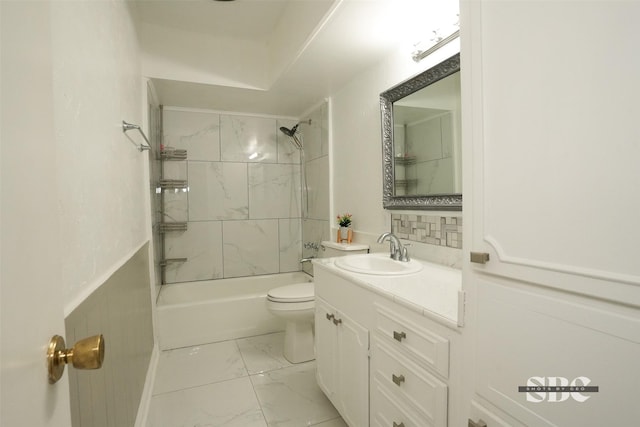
(344,221)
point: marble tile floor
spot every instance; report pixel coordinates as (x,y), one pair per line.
(238,383)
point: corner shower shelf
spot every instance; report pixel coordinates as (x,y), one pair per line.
(173,184)
(167,261)
(172,226)
(405,160)
(173,154)
(405,182)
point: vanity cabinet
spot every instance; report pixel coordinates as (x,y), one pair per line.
(342,358)
(409,367)
(380,363)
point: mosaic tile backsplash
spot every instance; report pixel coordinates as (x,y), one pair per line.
(430,229)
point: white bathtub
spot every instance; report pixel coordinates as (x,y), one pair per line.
(202,312)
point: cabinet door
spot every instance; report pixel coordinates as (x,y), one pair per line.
(552,195)
(353,371)
(326,348)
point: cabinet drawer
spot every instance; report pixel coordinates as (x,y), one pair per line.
(405,331)
(407,382)
(389,412)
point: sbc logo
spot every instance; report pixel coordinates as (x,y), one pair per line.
(557,389)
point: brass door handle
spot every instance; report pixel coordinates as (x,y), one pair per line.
(87,353)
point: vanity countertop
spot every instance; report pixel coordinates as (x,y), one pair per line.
(433,292)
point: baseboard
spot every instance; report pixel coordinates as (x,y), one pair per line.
(142,419)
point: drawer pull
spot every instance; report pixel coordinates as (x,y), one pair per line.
(337,321)
(399,335)
(480,423)
(395,424)
(397,379)
(329,316)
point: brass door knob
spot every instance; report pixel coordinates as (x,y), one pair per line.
(87,353)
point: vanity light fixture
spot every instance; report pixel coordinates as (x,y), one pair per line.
(419,55)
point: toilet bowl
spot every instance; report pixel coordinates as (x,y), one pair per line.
(295,304)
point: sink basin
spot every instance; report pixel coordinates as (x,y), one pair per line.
(377,264)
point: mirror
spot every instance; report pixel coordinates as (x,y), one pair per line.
(422,166)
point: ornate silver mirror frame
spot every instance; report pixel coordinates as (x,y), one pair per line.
(387,98)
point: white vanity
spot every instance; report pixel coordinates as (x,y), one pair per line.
(387,343)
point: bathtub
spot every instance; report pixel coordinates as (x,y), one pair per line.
(208,311)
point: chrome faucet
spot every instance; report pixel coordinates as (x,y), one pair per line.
(398,252)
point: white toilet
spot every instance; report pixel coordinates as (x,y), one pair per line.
(296,305)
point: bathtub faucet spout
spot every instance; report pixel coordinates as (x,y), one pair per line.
(306,259)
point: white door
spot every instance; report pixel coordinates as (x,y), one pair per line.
(31,304)
(554,200)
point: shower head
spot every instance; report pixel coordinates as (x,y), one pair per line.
(291,133)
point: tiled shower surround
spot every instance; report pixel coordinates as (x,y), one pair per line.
(430,229)
(243,205)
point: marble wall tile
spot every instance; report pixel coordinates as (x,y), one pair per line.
(201,244)
(175,201)
(314,231)
(176,206)
(197,132)
(287,153)
(424,140)
(315,134)
(436,177)
(274,191)
(243,137)
(174,170)
(218,191)
(290,238)
(318,184)
(250,248)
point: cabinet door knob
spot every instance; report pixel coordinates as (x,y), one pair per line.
(397,379)
(329,316)
(395,424)
(399,335)
(337,321)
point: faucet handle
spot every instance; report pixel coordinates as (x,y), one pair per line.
(404,255)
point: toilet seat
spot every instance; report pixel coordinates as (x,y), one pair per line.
(300,292)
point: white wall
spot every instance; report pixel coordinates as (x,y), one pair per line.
(356,144)
(101,175)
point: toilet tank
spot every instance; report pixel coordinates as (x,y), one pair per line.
(333,249)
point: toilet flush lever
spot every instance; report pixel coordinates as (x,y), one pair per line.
(87,353)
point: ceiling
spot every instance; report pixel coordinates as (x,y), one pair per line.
(277,57)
